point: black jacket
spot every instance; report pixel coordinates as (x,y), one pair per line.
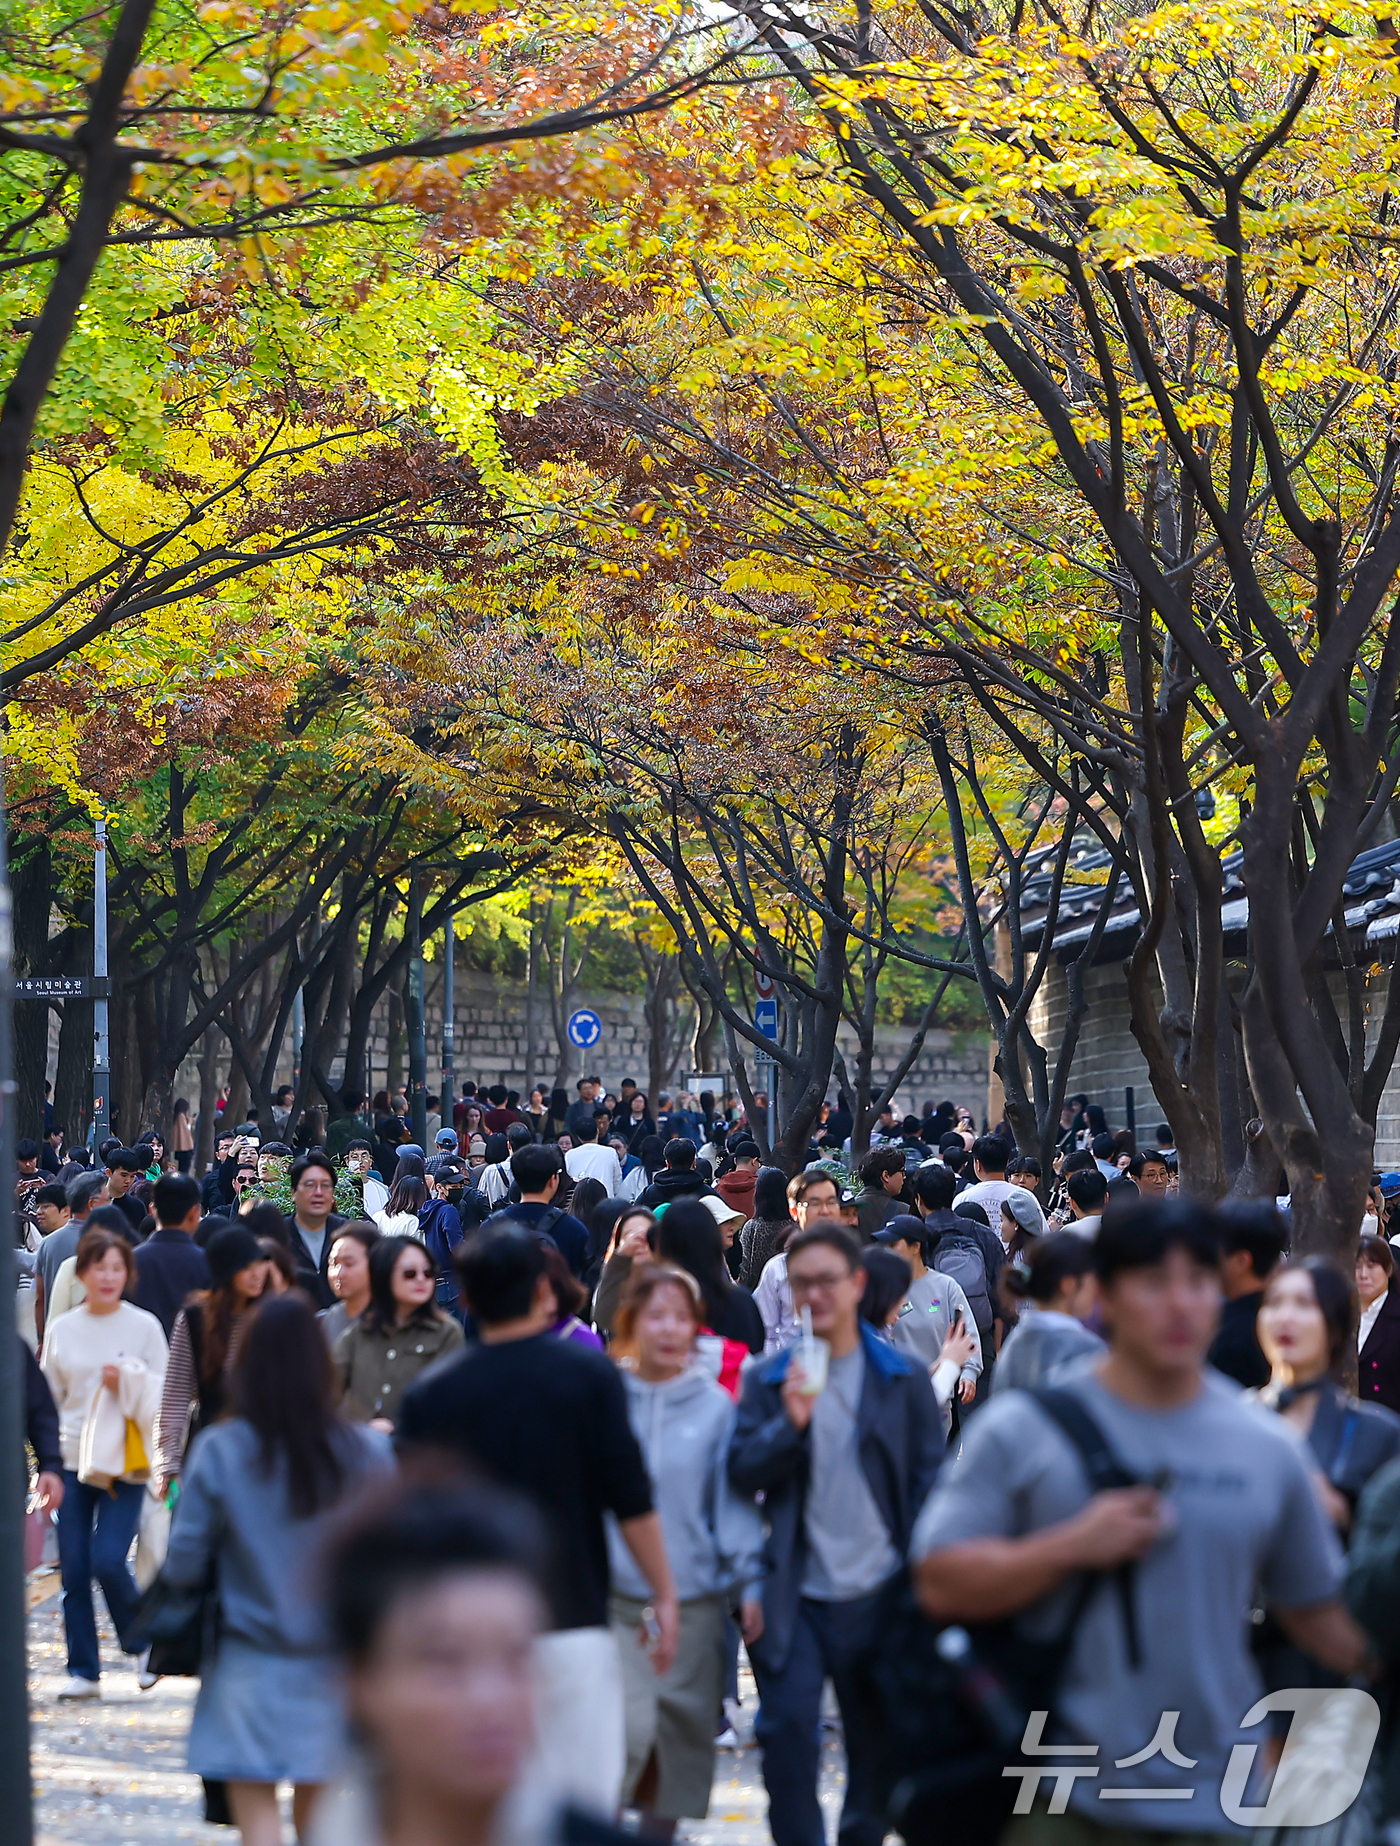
(309,1276)
(169,1267)
(673,1183)
(216,1189)
(1237,1351)
(40,1417)
(1378,1368)
(901,1446)
(740,1319)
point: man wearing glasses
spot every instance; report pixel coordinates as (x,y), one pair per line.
(844,1469)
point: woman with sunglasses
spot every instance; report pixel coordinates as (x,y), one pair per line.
(399,1335)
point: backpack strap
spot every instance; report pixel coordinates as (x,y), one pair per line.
(1067,1411)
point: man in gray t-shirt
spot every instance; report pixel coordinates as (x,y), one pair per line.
(1234,1518)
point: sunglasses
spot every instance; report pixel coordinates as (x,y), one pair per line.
(415,1275)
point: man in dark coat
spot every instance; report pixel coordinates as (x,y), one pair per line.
(170,1265)
(843,1472)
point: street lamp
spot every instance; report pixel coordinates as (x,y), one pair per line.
(16,1795)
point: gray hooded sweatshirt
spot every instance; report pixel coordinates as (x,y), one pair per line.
(714,1536)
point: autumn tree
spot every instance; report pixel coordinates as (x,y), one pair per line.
(1055,354)
(158,128)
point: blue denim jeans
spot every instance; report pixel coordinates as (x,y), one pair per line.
(835,1641)
(95,1530)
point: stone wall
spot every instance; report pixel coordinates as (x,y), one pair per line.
(1107,1059)
(491,1038)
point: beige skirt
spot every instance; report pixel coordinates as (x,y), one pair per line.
(677,1716)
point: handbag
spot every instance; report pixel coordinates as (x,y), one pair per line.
(956,1698)
(152,1540)
(180,1625)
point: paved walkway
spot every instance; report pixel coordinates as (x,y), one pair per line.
(113,1773)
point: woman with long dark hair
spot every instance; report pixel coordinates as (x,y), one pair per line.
(204,1347)
(637,1124)
(768,1229)
(689,1237)
(1305,1328)
(887,1279)
(584,1198)
(631,1246)
(400,1333)
(407,1197)
(571,1299)
(258,1490)
(650,1155)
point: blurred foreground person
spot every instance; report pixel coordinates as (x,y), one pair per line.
(258,1489)
(1213,1505)
(436,1604)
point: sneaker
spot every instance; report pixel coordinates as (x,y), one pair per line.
(75,1688)
(728,1739)
(145,1678)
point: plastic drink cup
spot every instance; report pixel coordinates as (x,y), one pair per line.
(813,1355)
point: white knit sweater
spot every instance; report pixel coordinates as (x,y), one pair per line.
(76,1347)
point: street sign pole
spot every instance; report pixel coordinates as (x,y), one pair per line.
(417,1024)
(16,1794)
(101,1052)
(449,1017)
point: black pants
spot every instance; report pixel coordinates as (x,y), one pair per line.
(835,1641)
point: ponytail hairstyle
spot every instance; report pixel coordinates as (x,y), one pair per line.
(1035,1273)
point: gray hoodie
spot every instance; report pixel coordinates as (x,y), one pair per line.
(714,1536)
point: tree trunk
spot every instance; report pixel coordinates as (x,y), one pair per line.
(666,1026)
(236,1106)
(532,995)
(393,1080)
(31,887)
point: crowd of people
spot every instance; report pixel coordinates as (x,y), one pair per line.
(482,1463)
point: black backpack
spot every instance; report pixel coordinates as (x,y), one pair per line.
(956,1697)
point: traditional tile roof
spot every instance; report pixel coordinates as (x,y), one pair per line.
(1371,893)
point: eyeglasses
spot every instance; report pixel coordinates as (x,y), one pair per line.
(415,1275)
(811,1285)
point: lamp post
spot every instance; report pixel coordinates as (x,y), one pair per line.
(16,1794)
(101,1048)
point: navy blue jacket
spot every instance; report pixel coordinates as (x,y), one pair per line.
(40,1416)
(170,1266)
(901,1447)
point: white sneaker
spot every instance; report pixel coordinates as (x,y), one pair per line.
(145,1678)
(75,1688)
